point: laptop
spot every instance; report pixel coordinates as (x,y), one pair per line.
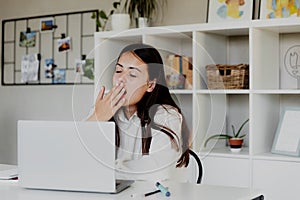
(68,155)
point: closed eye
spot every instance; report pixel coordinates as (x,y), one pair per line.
(119,68)
(133,70)
(132,75)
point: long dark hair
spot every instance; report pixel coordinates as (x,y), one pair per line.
(147,106)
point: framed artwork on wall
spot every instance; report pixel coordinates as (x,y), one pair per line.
(230,10)
(287,138)
(270,9)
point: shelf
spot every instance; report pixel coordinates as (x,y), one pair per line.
(226,29)
(218,28)
(284,25)
(181,91)
(222,91)
(209,111)
(172,31)
(225,152)
(280,91)
(276,157)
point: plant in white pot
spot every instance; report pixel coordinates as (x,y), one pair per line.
(119,20)
(143,10)
(235,140)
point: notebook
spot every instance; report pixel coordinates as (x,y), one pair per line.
(68,155)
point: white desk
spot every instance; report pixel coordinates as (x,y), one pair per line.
(9,190)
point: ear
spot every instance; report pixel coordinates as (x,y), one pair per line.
(151,85)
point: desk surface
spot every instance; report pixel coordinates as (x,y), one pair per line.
(9,190)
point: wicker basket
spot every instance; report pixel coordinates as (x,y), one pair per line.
(228,76)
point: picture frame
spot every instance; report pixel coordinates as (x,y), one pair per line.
(64,44)
(49,67)
(287,137)
(47,25)
(230,10)
(78,66)
(27,39)
(59,76)
(270,9)
(29,68)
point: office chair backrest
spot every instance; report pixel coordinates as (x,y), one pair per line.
(200,168)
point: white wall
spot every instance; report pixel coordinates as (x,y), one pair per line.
(38,102)
(63,102)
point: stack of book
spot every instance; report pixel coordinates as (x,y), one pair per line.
(179,72)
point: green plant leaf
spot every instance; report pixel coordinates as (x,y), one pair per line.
(103,15)
(111,12)
(98,23)
(93,15)
(233,131)
(239,131)
(220,136)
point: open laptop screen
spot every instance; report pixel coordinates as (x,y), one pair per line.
(67,155)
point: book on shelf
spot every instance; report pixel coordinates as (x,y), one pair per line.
(179,71)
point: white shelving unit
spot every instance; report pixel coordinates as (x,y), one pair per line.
(213,111)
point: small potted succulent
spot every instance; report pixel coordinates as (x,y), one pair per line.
(235,140)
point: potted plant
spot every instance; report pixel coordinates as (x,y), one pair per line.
(143,10)
(119,21)
(235,140)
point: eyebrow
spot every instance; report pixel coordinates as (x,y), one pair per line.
(130,67)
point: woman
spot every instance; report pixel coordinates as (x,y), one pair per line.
(152,136)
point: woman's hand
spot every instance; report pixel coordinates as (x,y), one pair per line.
(106,106)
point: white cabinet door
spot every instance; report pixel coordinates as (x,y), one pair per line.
(226,171)
(277,179)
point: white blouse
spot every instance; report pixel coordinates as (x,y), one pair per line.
(162,158)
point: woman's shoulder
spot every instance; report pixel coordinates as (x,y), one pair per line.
(166,107)
(167,112)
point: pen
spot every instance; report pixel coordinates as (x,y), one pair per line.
(163,189)
(150,193)
(145,195)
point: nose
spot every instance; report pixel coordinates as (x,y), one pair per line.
(123,76)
